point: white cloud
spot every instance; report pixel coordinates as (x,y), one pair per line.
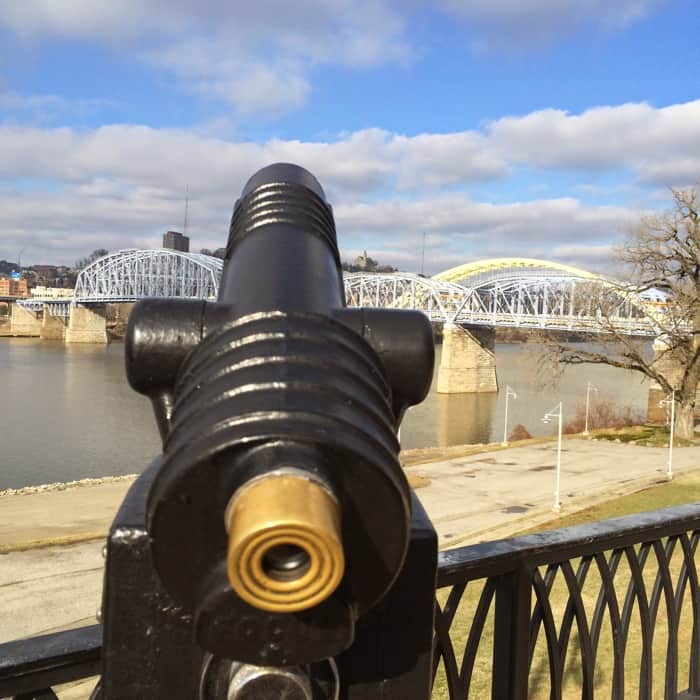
(259,56)
(41,109)
(359,162)
(62,226)
(61,188)
(509,24)
(444,159)
(469,223)
(253,56)
(659,144)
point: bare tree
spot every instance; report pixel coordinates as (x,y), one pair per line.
(662,254)
(96,254)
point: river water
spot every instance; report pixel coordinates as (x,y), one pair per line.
(66,411)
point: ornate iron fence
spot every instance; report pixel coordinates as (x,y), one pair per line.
(608,609)
(575,612)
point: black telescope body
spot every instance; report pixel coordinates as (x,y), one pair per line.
(278,515)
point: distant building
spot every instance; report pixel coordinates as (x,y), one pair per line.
(13,287)
(364,262)
(44,273)
(173,240)
(52,292)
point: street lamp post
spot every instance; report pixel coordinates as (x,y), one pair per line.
(556,412)
(589,389)
(666,402)
(510,394)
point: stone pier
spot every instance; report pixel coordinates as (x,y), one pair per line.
(24,322)
(53,327)
(86,325)
(465,419)
(468,362)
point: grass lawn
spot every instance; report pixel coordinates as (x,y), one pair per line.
(647,435)
(682,490)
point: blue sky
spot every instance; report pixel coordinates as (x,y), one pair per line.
(541,128)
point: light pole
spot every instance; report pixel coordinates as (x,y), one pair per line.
(666,402)
(510,394)
(589,389)
(556,412)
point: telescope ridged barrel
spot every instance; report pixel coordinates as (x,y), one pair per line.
(267,394)
(280,512)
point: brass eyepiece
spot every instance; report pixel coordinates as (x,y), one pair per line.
(284,548)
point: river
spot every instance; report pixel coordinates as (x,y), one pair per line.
(66,411)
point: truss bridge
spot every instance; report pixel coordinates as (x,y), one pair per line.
(501,292)
(510,292)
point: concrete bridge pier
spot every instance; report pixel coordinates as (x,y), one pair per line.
(53,327)
(468,361)
(86,325)
(465,419)
(24,322)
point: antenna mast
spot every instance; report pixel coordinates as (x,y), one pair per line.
(187,203)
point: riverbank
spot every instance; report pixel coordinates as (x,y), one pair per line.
(59,514)
(469,491)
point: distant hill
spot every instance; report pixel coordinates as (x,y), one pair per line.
(6,267)
(363,263)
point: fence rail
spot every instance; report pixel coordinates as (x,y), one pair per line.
(608,609)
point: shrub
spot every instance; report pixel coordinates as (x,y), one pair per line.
(602,414)
(519,432)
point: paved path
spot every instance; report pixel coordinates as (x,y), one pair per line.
(59,516)
(482,496)
(493,494)
(49,589)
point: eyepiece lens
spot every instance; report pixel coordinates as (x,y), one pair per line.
(285,562)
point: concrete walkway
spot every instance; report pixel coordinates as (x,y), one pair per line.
(495,494)
(60,515)
(482,496)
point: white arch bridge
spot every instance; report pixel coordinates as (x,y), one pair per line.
(515,292)
(512,292)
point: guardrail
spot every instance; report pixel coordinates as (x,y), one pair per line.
(608,609)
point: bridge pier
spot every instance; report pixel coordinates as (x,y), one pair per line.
(53,327)
(24,322)
(86,325)
(468,361)
(465,419)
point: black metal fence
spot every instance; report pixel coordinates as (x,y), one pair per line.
(609,609)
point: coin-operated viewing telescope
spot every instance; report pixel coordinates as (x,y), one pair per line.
(274,549)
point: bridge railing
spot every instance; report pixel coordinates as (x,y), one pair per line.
(608,609)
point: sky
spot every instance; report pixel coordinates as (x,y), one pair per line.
(486,128)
